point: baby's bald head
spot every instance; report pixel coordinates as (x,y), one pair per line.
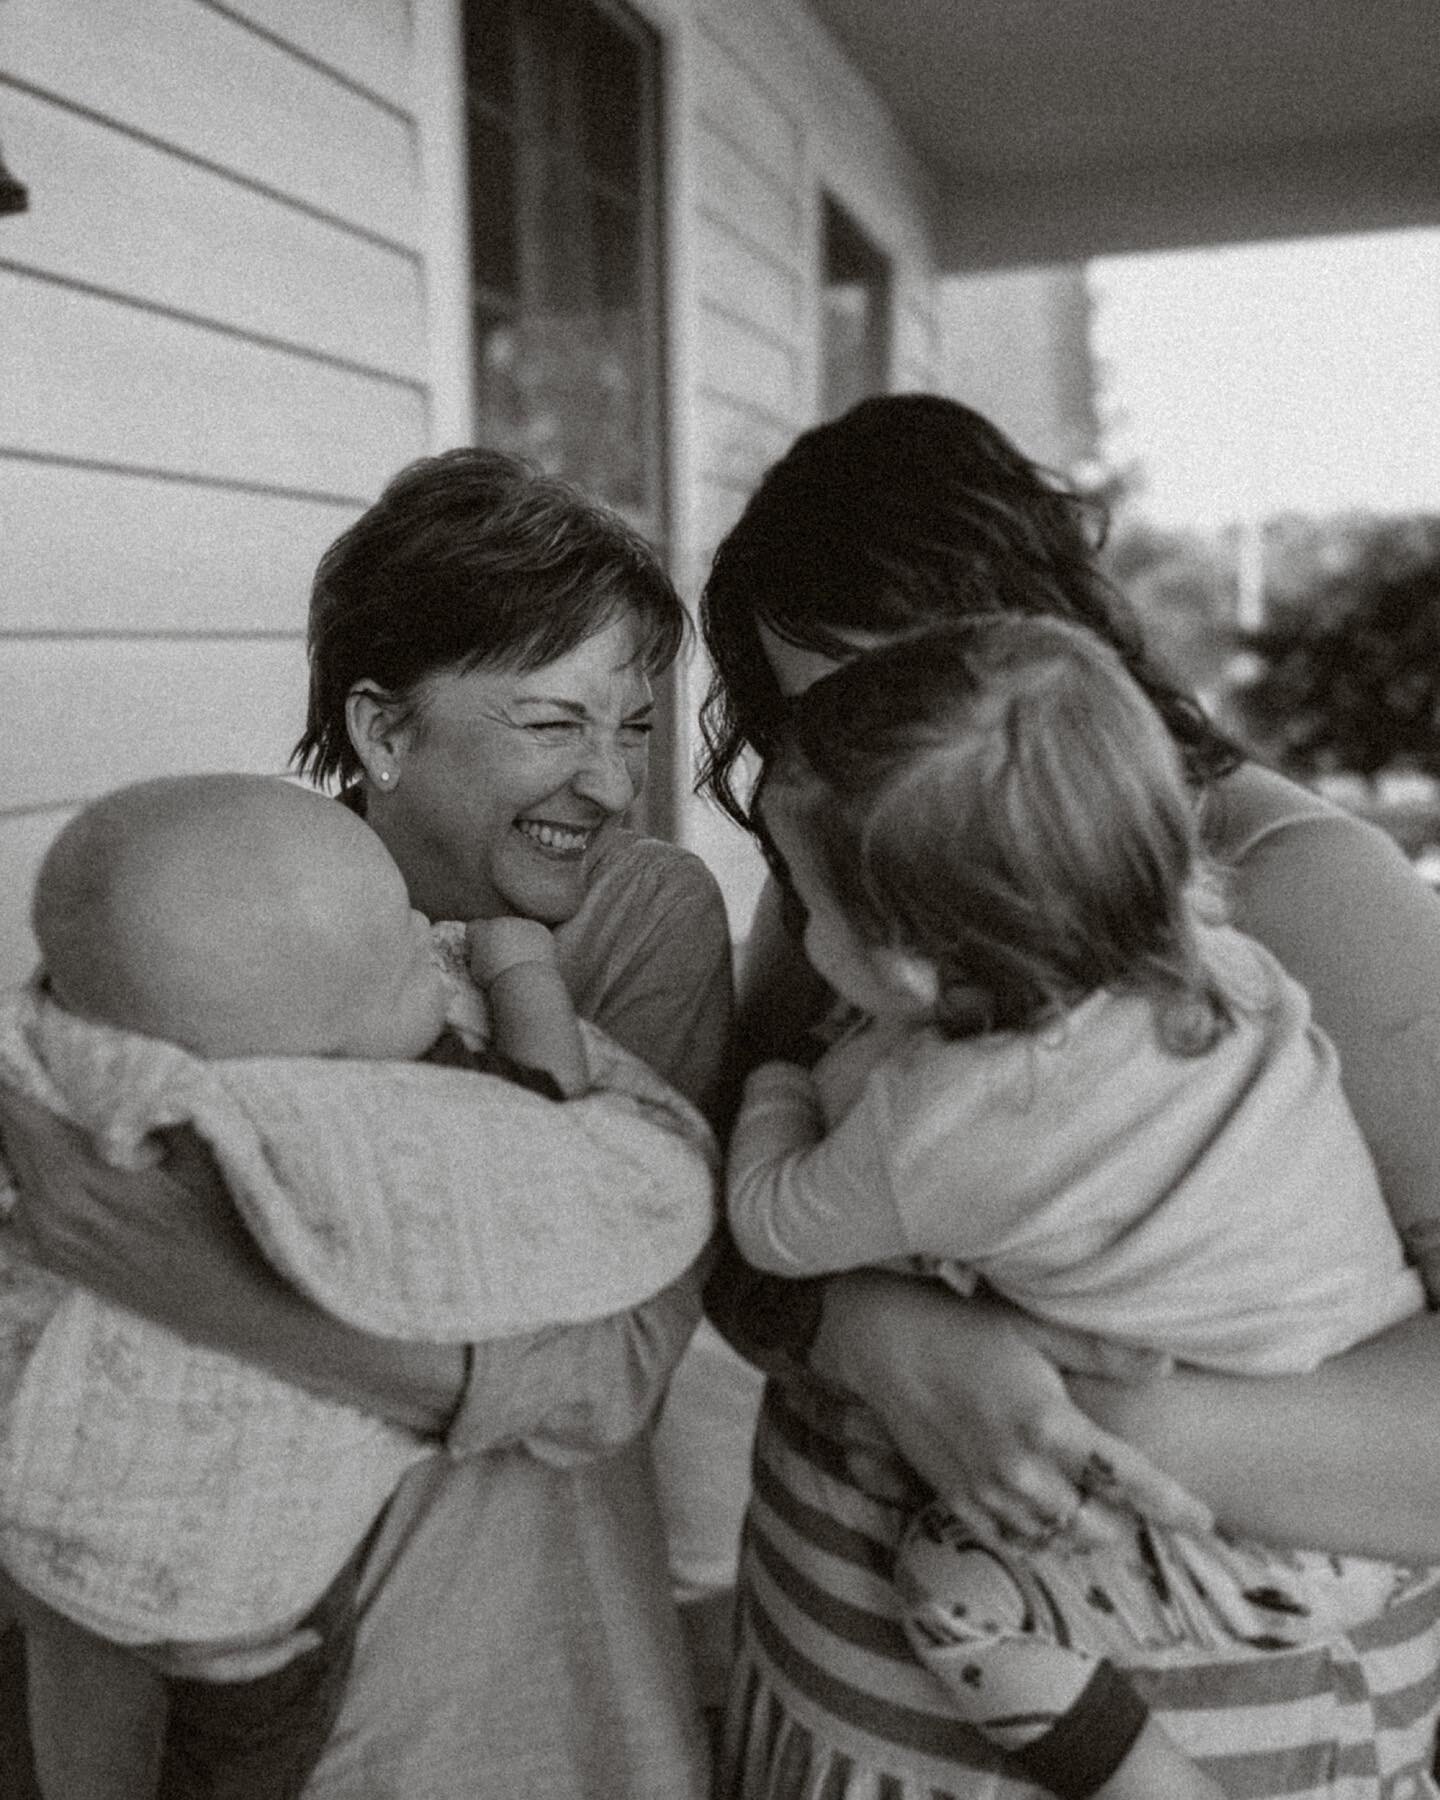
(212,910)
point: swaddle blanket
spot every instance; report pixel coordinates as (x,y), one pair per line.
(152,1490)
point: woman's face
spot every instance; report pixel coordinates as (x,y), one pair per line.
(505,781)
(882,982)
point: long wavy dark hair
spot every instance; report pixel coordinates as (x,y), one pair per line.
(908,511)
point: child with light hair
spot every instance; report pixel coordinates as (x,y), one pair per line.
(1062,1079)
(239,955)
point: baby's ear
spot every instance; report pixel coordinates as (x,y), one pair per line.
(911,977)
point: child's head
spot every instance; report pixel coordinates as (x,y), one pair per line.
(988,822)
(237,915)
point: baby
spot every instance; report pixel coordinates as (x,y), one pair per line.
(1061,1080)
(240,955)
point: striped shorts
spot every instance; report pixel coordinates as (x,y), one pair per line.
(830,1703)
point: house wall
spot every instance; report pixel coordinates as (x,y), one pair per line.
(236,305)
(1016,348)
(775,117)
(214,353)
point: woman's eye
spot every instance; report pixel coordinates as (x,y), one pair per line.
(635,731)
(554,727)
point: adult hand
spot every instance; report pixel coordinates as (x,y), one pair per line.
(124,1234)
(167,1243)
(979,1413)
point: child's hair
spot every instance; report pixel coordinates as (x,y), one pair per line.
(999,797)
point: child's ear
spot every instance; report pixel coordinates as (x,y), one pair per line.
(913,978)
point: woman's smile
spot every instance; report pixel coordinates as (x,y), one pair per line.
(509,778)
(557,839)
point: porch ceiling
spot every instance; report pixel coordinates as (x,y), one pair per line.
(1060,128)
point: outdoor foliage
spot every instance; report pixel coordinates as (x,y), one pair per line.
(1345,675)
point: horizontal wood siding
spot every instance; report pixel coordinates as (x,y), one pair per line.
(145,556)
(125,216)
(194,78)
(127,703)
(166,393)
(779,117)
(215,356)
(368,44)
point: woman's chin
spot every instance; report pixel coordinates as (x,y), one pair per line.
(544,884)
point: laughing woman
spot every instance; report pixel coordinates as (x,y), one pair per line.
(482,644)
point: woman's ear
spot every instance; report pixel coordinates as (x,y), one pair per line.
(379,731)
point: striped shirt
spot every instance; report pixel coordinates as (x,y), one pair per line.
(829,1702)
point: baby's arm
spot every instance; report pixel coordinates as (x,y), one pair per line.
(531,1017)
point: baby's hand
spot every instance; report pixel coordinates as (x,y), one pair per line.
(494,945)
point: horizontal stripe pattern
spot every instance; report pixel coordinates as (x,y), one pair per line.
(829,1703)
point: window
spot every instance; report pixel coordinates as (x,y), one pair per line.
(855,315)
(563,103)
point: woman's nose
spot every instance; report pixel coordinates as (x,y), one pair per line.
(606,777)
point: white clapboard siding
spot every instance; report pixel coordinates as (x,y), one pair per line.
(24,839)
(366,41)
(718,504)
(130,217)
(756,205)
(85,378)
(738,443)
(139,554)
(734,97)
(917,356)
(747,283)
(741,362)
(196,79)
(84,715)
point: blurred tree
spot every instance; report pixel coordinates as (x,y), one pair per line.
(1345,675)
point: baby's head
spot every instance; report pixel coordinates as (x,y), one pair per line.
(237,915)
(986,823)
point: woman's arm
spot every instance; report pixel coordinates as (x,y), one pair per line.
(1335,900)
(978,1412)
(1346,1458)
(168,1243)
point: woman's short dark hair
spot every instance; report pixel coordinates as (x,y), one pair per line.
(907,511)
(470,559)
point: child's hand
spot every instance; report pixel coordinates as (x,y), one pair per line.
(494,945)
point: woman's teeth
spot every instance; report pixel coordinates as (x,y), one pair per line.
(553,837)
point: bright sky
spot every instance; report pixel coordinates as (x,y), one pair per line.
(1262,378)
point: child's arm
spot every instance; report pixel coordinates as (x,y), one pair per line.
(804,1200)
(531,1015)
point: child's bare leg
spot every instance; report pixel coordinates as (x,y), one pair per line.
(1069,1717)
(97,1714)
